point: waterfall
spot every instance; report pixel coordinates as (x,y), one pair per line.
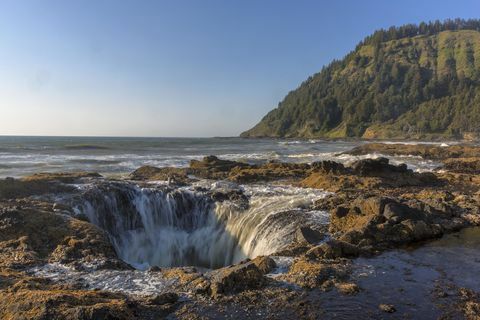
(160,226)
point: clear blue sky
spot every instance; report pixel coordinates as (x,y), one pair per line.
(175,68)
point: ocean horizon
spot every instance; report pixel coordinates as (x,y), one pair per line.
(118,156)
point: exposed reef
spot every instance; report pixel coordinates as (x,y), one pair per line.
(70,244)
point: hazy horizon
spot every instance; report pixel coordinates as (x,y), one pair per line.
(111,136)
(174,69)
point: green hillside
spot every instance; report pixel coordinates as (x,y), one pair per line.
(414,81)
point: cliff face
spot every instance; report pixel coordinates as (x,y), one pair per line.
(408,82)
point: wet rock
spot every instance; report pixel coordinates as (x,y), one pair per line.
(64,177)
(183,275)
(45,301)
(308,235)
(361,212)
(373,167)
(393,210)
(234,195)
(385,222)
(347,288)
(15,189)
(178,176)
(310,274)
(392,175)
(340,183)
(471,309)
(236,278)
(426,151)
(61,208)
(469,303)
(187,279)
(420,230)
(269,172)
(293,249)
(82,217)
(368,174)
(163,298)
(333,249)
(332,201)
(62,239)
(463,165)
(329,167)
(154,269)
(389,308)
(211,167)
(265,264)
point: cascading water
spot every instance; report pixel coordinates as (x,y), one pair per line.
(160,226)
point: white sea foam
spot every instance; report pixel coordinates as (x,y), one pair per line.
(125,281)
(282,265)
(302,155)
(250,156)
(421,142)
(288,142)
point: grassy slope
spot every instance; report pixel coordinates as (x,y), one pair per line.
(446,54)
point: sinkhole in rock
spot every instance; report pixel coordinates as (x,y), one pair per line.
(210,228)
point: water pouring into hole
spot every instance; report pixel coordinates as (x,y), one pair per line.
(208,226)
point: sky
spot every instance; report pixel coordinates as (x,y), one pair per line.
(176,68)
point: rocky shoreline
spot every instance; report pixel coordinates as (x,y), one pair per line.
(374,207)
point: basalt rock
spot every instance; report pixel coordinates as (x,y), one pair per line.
(64,177)
(463,165)
(369,174)
(294,249)
(308,235)
(376,167)
(236,278)
(269,171)
(11,188)
(333,249)
(381,222)
(388,308)
(265,264)
(234,195)
(173,175)
(469,303)
(391,175)
(211,167)
(35,235)
(57,303)
(328,166)
(310,274)
(347,288)
(163,298)
(188,279)
(426,151)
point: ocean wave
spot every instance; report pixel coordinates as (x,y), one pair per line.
(414,162)
(85,147)
(126,157)
(414,143)
(302,155)
(94,161)
(250,156)
(290,142)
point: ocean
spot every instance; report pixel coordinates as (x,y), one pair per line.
(118,156)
